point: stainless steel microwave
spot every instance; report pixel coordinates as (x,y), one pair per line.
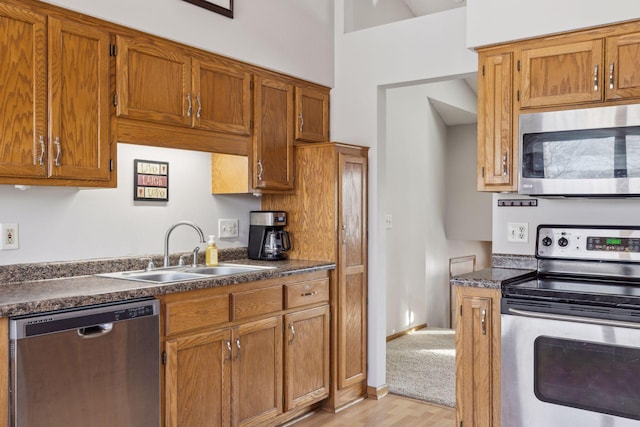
(586,152)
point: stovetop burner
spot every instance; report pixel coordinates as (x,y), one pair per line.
(593,265)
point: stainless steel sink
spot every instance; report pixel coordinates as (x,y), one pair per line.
(226,269)
(179,274)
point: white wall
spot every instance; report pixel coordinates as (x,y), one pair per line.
(361,14)
(59,224)
(292,36)
(418,50)
(415,158)
(497,21)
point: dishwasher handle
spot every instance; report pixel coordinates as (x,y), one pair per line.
(95,331)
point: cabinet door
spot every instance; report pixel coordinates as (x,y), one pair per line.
(306,357)
(273,135)
(478,357)
(153,81)
(570,73)
(78,101)
(352,281)
(23,73)
(312,115)
(197,380)
(257,372)
(495,121)
(623,62)
(223,97)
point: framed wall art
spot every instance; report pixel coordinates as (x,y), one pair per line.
(223,7)
(150,180)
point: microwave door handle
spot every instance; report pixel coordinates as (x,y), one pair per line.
(576,319)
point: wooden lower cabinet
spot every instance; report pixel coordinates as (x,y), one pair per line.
(224,372)
(477,357)
(306,357)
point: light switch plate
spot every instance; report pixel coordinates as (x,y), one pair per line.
(227,228)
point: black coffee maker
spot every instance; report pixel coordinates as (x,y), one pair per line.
(267,239)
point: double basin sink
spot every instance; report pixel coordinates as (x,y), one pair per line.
(179,274)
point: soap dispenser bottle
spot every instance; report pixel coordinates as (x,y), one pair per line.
(211,258)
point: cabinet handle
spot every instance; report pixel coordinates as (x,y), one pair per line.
(293,333)
(189,107)
(228,343)
(301,123)
(199,107)
(260,170)
(611,76)
(309,294)
(238,345)
(483,321)
(505,157)
(595,78)
(59,151)
(41,159)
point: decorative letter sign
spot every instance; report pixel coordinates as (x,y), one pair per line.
(150,180)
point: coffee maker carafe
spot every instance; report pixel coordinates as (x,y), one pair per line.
(267,239)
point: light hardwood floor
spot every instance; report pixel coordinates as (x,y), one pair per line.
(390,411)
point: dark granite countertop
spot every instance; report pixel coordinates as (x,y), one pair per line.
(491,277)
(43,290)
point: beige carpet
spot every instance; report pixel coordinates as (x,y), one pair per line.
(422,365)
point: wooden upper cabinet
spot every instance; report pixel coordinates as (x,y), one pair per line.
(563,74)
(79,101)
(623,67)
(496,146)
(55,95)
(23,92)
(222,97)
(272,153)
(153,81)
(312,114)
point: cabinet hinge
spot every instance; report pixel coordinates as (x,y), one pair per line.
(113,50)
(111,165)
(460,310)
(482,171)
(115,99)
(250,124)
(461,423)
(483,71)
(518,65)
(164,357)
(251,85)
(518,95)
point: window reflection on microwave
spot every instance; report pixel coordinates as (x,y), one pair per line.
(582,154)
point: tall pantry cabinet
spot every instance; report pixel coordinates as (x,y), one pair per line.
(327,219)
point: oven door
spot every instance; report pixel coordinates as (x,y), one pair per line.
(560,370)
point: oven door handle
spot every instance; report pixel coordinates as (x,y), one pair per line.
(578,319)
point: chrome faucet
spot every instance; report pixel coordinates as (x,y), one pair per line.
(166,237)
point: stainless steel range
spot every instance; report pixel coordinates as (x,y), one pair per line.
(571,336)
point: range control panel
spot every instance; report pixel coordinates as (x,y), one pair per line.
(620,243)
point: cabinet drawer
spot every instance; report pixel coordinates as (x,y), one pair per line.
(299,294)
(255,302)
(196,313)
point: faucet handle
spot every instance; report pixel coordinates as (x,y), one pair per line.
(195,255)
(181,260)
(150,266)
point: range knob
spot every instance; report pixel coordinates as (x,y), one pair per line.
(563,241)
(547,241)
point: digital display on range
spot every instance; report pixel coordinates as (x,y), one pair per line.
(613,244)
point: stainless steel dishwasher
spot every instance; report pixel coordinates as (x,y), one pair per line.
(96,366)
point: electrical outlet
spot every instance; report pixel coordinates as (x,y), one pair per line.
(227,228)
(518,232)
(9,236)
(388,221)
